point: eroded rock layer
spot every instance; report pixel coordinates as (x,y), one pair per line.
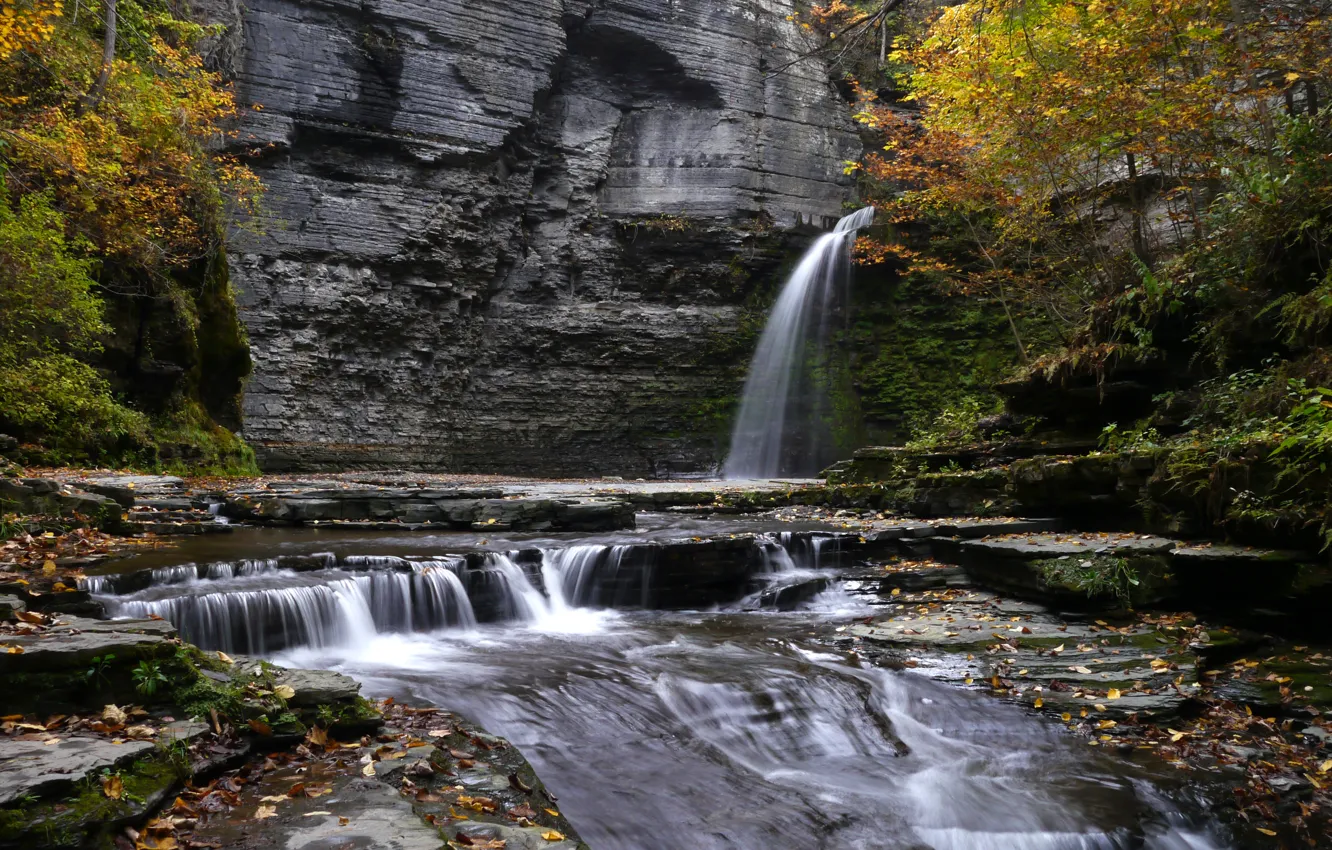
(511,237)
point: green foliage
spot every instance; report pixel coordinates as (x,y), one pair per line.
(51,317)
(918,352)
(67,408)
(97,674)
(111,229)
(148,677)
(954,424)
(192,443)
(1097,576)
(1139,437)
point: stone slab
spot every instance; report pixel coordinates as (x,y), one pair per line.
(75,641)
(1040,546)
(40,769)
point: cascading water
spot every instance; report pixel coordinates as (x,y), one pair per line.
(780,427)
(707,729)
(257,607)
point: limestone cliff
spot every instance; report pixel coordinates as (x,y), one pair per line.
(504,236)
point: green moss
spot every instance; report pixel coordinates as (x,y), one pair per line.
(87,817)
(915,352)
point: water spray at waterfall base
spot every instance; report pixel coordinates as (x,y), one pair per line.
(782,428)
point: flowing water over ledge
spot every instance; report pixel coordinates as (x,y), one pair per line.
(721,728)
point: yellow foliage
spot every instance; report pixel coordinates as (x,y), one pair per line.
(24,25)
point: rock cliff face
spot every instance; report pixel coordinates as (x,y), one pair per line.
(505,236)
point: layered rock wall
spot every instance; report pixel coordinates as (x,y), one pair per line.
(505,236)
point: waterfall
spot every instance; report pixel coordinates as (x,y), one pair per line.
(777,431)
(265,612)
(321,600)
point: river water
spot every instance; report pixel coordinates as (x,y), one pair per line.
(726,728)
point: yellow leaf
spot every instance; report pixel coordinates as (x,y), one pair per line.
(284,691)
(1266,831)
(552,835)
(369,769)
(1039,702)
(113,787)
(224,658)
(1113,693)
(1106,724)
(1291,76)
(1325,766)
(48,566)
(552,813)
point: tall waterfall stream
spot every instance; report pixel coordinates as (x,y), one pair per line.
(733,727)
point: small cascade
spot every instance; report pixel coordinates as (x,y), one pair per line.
(787,551)
(580,575)
(523,600)
(268,611)
(121,583)
(321,600)
(781,428)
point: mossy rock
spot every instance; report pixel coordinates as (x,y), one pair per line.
(88,818)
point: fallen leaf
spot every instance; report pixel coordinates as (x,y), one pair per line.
(552,835)
(1113,693)
(224,658)
(48,566)
(284,691)
(265,812)
(369,769)
(114,716)
(113,786)
(315,814)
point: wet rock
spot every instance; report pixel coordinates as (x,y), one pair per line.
(45,497)
(318,687)
(10,605)
(791,596)
(41,770)
(364,812)
(122,496)
(421,507)
(79,664)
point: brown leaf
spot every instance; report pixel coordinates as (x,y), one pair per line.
(113,786)
(265,812)
(260,727)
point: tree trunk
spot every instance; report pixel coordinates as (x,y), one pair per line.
(1135,200)
(883,41)
(94,95)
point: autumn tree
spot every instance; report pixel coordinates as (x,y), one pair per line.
(112,121)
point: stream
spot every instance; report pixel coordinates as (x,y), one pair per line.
(736,727)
